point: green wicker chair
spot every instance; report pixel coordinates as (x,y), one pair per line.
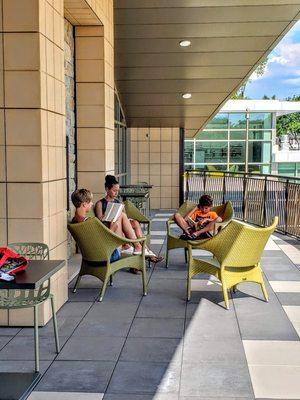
(236,253)
(13,299)
(225,211)
(97,243)
(134,213)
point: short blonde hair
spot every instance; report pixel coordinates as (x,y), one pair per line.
(81,196)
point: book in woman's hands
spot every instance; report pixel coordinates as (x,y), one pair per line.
(113,211)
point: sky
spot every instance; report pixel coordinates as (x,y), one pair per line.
(282,73)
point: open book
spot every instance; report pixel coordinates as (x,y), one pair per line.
(113,211)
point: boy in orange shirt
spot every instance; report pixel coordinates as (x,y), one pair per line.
(199,222)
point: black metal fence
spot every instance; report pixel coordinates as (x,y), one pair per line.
(256,198)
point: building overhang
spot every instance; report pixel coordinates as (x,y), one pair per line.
(228,40)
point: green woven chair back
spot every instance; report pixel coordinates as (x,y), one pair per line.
(27,298)
(95,240)
(31,250)
(134,213)
(240,244)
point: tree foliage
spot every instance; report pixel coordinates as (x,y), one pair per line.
(260,70)
(289,123)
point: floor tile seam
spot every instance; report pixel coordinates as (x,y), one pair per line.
(55,358)
(274,365)
(241,339)
(9,341)
(127,335)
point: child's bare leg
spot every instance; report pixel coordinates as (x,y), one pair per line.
(181,222)
(208,228)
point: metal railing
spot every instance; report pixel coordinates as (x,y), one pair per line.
(255,198)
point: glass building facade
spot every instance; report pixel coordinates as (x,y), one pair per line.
(233,141)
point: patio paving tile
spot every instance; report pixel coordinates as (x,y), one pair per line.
(264,352)
(88,295)
(144,378)
(92,349)
(151,349)
(275,382)
(156,396)
(162,305)
(215,350)
(104,326)
(289,299)
(66,326)
(22,348)
(215,380)
(4,340)
(285,286)
(77,376)
(157,327)
(22,366)
(65,396)
(6,331)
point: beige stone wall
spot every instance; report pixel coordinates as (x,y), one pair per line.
(34,133)
(95,106)
(155,159)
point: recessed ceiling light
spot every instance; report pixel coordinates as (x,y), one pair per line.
(186,95)
(185,43)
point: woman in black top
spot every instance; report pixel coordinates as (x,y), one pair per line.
(131,229)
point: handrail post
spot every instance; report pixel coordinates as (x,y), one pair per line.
(204,182)
(244,196)
(186,185)
(286,206)
(224,188)
(265,206)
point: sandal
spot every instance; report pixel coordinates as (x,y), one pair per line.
(156,259)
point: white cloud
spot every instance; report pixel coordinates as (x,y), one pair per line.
(292,81)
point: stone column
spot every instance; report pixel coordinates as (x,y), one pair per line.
(32,136)
(95,104)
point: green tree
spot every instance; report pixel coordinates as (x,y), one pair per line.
(260,70)
(289,123)
(265,97)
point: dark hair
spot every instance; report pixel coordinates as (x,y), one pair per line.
(205,201)
(110,181)
(81,196)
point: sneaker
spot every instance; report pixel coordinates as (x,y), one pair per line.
(149,253)
(129,251)
(137,252)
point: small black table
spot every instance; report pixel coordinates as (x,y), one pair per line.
(17,385)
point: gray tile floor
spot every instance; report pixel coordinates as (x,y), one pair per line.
(160,347)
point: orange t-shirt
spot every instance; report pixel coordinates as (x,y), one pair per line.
(198,215)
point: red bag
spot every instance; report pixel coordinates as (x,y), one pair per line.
(11,262)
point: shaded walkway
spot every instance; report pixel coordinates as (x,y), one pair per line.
(159,347)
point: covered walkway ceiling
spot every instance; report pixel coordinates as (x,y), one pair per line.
(228,38)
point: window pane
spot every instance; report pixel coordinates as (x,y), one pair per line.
(259,169)
(287,169)
(237,152)
(259,152)
(200,167)
(188,151)
(260,120)
(212,135)
(237,120)
(212,168)
(237,168)
(220,121)
(260,135)
(188,167)
(237,135)
(207,152)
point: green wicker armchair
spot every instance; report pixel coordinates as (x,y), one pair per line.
(225,211)
(134,213)
(13,299)
(97,244)
(236,253)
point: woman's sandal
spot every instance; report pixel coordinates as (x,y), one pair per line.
(156,259)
